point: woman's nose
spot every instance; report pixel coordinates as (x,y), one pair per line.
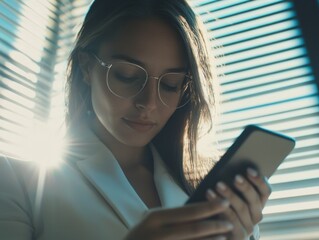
(148,98)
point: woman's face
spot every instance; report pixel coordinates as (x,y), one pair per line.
(154,45)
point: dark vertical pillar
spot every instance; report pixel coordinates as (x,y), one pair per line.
(308,16)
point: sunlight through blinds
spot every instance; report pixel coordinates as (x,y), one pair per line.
(27,55)
(268,81)
(71,15)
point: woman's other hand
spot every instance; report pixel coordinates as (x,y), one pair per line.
(245,212)
(192,221)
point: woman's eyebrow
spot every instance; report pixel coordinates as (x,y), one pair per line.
(135,61)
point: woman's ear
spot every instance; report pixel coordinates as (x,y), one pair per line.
(85,66)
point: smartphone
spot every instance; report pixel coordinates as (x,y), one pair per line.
(256,147)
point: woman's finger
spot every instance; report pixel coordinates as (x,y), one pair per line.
(195,230)
(251,196)
(239,231)
(240,206)
(261,184)
(191,212)
(215,238)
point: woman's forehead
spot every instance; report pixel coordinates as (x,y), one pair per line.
(149,41)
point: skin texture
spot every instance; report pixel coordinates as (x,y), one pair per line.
(158,49)
(156,46)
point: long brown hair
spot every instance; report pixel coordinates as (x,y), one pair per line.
(177,141)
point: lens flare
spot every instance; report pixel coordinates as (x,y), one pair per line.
(45,146)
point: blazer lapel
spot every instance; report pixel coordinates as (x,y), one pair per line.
(171,195)
(102,170)
(98,165)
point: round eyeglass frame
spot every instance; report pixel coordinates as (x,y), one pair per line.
(108,66)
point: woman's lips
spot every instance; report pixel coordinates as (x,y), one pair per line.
(139,125)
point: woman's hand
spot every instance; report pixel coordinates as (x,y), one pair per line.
(187,222)
(245,213)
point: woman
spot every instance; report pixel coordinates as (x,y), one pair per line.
(140,87)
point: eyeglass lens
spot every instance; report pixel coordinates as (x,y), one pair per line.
(127,80)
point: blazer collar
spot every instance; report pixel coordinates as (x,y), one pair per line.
(99,166)
(171,195)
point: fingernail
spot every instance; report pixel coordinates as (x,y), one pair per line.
(210,194)
(225,202)
(252,172)
(221,186)
(229,226)
(239,179)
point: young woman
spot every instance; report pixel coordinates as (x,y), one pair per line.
(141,87)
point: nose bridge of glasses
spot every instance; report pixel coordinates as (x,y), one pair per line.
(150,89)
(156,78)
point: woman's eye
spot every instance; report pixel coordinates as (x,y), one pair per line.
(126,78)
(169,88)
(172,82)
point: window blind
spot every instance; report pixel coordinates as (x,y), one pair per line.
(27,55)
(71,15)
(268,80)
(35,42)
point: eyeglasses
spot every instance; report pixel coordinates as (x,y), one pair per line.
(126,80)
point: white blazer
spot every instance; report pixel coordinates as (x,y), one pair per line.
(86,197)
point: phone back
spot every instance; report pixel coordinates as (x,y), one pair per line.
(256,147)
(264,148)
